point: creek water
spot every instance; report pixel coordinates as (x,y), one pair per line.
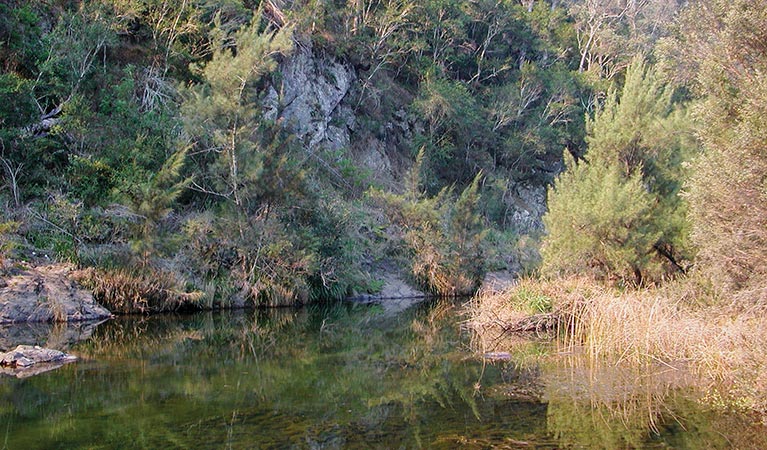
(346,376)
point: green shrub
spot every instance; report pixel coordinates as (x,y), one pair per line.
(445,235)
(601,222)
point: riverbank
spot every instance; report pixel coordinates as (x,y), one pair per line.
(682,326)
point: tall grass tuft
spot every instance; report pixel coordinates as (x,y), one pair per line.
(133,291)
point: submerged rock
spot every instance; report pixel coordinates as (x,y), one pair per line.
(27,355)
(47,294)
(27,360)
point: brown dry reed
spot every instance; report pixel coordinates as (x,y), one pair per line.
(132,291)
(670,326)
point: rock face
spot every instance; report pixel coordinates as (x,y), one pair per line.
(395,296)
(47,294)
(309,100)
(497,282)
(317,98)
(527,205)
(394,287)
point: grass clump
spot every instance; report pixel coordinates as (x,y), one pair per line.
(132,291)
(649,327)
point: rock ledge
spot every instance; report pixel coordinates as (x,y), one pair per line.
(28,355)
(46,294)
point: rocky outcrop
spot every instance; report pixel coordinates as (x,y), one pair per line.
(27,355)
(46,294)
(309,100)
(527,205)
(317,98)
(395,296)
(394,287)
(497,282)
(28,360)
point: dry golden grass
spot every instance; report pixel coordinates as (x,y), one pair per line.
(726,349)
(125,291)
(492,313)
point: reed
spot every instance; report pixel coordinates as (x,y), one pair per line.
(669,326)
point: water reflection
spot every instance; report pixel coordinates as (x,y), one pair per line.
(339,377)
(59,336)
(610,405)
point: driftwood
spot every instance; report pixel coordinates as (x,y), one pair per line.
(537,323)
(273,12)
(47,122)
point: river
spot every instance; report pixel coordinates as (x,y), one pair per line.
(347,376)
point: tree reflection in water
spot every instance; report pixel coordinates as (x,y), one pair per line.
(346,376)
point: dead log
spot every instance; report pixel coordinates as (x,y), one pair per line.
(537,323)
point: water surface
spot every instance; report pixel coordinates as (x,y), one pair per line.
(348,376)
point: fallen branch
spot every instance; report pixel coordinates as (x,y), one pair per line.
(538,323)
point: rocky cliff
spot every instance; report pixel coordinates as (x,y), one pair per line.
(321,101)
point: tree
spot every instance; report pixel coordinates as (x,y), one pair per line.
(646,131)
(150,202)
(601,219)
(444,235)
(629,214)
(222,116)
(611,32)
(721,53)
(456,129)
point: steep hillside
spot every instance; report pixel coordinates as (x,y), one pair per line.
(214,153)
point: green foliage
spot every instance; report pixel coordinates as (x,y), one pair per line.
(600,219)
(20,34)
(645,131)
(73,50)
(530,301)
(95,98)
(89,179)
(444,235)
(18,107)
(630,217)
(7,239)
(221,114)
(455,128)
(720,53)
(151,201)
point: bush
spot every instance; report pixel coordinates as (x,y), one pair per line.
(599,220)
(445,236)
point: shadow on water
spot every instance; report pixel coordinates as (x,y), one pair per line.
(346,376)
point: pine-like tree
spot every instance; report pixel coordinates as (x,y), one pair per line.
(721,52)
(619,211)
